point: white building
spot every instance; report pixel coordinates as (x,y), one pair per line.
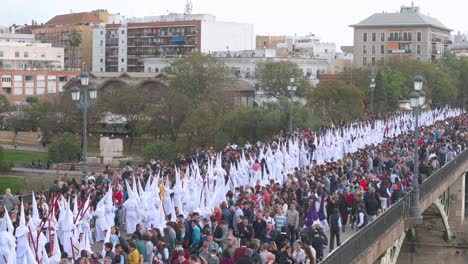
(119,47)
(30,56)
(309,46)
(20,38)
(244,67)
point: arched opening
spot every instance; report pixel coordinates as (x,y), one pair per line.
(111,85)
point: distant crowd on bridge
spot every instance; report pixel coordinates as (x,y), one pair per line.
(280,201)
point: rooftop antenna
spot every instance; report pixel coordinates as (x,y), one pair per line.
(188,7)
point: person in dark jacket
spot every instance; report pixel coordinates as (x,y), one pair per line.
(372,205)
(335,226)
(318,241)
(343,207)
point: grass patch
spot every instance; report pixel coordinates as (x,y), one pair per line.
(25,184)
(19,156)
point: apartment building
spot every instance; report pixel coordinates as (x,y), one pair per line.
(122,47)
(268,42)
(64,30)
(408,33)
(17,85)
(30,56)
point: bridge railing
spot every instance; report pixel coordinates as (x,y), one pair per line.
(431,183)
(370,234)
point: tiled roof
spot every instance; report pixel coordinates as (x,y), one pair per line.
(74,19)
(400,19)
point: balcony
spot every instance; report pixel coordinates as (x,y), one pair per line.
(448,42)
(436,40)
(436,52)
(400,51)
(400,39)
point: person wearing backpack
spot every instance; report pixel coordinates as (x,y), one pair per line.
(362,217)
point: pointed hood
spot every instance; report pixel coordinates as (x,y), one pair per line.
(21,230)
(35,212)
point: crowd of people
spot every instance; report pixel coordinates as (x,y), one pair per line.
(226,208)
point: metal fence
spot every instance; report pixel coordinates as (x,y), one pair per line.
(431,183)
(360,241)
(366,237)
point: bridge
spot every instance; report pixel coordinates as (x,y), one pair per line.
(394,238)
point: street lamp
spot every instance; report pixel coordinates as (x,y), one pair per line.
(417,101)
(84,98)
(291,90)
(372,89)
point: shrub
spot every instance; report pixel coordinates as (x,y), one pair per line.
(66,148)
(160,150)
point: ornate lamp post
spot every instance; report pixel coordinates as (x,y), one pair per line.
(84,98)
(418,99)
(372,89)
(291,91)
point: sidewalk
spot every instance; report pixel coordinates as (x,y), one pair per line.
(24,148)
(39,171)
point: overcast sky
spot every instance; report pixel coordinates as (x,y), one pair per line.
(328,19)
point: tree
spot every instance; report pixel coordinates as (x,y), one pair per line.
(274,78)
(130,103)
(4,165)
(337,101)
(32,99)
(5,105)
(65,148)
(199,77)
(74,38)
(160,150)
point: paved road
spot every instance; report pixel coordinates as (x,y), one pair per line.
(24,148)
(343,236)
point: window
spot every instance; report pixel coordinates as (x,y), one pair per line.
(374,37)
(1,53)
(102,41)
(18,91)
(364,37)
(373,61)
(102,69)
(122,69)
(123,31)
(419,36)
(51,78)
(41,78)
(25,54)
(373,49)
(101,60)
(59,55)
(364,61)
(29,91)
(149,69)
(18,78)
(16,54)
(6,78)
(29,78)
(102,32)
(42,55)
(40,91)
(123,60)
(62,78)
(382,36)
(382,49)
(418,49)
(364,49)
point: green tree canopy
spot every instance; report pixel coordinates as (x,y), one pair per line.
(65,148)
(274,78)
(160,150)
(337,101)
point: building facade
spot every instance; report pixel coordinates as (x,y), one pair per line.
(17,85)
(268,42)
(65,30)
(409,33)
(30,56)
(123,47)
(245,67)
(19,38)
